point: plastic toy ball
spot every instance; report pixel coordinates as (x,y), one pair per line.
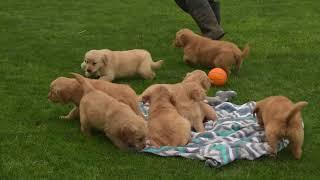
(218,76)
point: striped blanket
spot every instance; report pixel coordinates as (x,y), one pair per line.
(235,135)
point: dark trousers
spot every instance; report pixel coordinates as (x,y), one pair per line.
(214,4)
(206,13)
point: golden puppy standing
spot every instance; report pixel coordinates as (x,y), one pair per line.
(99,110)
(212,53)
(281,119)
(166,127)
(189,95)
(65,90)
(109,65)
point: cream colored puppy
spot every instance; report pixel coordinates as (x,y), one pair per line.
(166,127)
(212,53)
(67,90)
(189,95)
(109,65)
(99,110)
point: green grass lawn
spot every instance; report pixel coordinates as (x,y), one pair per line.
(41,40)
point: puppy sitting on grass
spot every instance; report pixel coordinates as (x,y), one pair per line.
(65,90)
(211,53)
(166,127)
(281,119)
(109,65)
(119,123)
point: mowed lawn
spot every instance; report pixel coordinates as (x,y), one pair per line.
(41,40)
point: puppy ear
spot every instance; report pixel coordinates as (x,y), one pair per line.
(173,100)
(182,40)
(205,83)
(197,94)
(66,95)
(57,92)
(105,58)
(61,94)
(83,65)
(126,133)
(165,92)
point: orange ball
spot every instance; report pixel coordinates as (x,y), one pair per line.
(218,76)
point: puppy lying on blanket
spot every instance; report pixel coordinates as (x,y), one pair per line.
(281,119)
(65,90)
(99,110)
(189,95)
(166,127)
(204,51)
(109,65)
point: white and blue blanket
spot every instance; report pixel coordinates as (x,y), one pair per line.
(235,135)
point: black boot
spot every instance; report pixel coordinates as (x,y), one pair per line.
(203,15)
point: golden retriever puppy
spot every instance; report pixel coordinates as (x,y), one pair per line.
(199,77)
(189,95)
(67,90)
(212,53)
(281,119)
(166,127)
(109,65)
(100,111)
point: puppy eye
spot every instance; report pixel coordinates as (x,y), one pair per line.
(85,61)
(94,63)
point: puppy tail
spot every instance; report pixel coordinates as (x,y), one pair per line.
(156,65)
(86,86)
(245,51)
(296,108)
(244,54)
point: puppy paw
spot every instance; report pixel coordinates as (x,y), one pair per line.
(151,143)
(150,76)
(273,155)
(272,152)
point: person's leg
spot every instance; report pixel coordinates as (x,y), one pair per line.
(203,15)
(215,6)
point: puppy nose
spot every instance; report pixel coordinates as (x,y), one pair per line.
(89,70)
